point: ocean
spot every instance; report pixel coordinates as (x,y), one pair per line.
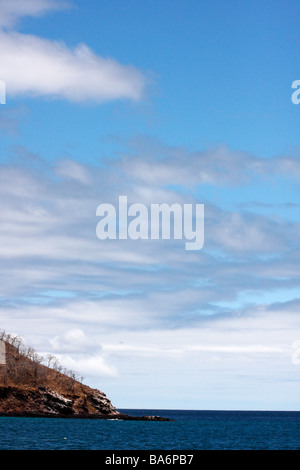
(190,430)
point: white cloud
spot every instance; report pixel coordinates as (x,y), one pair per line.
(72,340)
(78,352)
(40,67)
(34,66)
(95,366)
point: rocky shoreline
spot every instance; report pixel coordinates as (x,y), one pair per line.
(120,417)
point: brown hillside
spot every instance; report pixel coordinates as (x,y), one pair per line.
(29,387)
(33,386)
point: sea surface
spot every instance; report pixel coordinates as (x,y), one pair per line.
(190,430)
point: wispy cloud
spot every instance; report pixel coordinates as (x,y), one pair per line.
(48,231)
(157,164)
(13,10)
(98,304)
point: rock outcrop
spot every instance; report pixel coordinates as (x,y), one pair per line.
(44,401)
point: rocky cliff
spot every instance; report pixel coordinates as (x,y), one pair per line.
(30,388)
(44,401)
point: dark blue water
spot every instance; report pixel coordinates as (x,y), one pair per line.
(191,430)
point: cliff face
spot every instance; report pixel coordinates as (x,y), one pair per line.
(43,401)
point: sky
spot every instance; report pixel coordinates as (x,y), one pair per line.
(175,102)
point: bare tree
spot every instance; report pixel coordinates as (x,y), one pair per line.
(27,366)
(50,358)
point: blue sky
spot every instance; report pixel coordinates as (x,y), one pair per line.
(168,101)
(221,71)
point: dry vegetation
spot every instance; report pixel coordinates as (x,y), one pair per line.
(24,367)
